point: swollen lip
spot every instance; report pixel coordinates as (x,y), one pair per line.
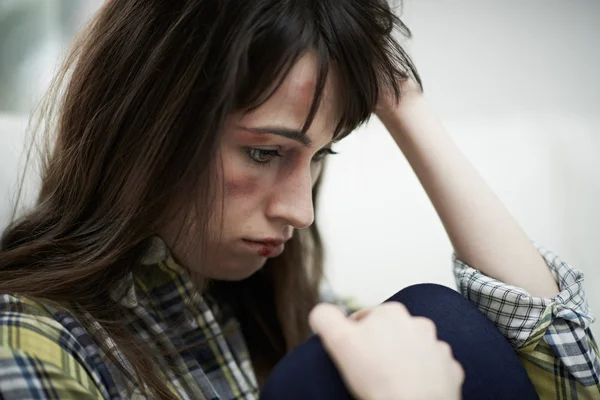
(266,248)
(265,251)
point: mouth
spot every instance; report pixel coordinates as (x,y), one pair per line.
(266,247)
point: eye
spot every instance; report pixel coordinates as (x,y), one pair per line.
(321,154)
(262,156)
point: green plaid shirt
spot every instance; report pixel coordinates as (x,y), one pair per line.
(46,354)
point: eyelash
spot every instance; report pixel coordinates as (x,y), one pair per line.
(256,155)
(321,154)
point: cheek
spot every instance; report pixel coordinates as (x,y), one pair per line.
(237,182)
(241,187)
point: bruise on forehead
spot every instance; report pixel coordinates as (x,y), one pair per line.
(299,88)
(290,104)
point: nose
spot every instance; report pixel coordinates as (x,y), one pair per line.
(291,200)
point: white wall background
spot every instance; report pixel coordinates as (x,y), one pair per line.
(517,85)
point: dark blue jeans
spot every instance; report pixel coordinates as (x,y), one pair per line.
(492,369)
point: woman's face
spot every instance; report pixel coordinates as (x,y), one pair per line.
(268,172)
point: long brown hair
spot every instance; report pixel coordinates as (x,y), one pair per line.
(133,120)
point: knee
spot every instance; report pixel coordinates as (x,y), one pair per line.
(429,297)
(428,292)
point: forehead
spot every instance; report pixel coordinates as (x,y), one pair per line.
(289,106)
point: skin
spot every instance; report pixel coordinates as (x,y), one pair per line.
(482,231)
(366,346)
(269,201)
(267,169)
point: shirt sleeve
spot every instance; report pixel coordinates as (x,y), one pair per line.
(552,334)
(26,376)
(34,364)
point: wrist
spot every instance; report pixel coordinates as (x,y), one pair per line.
(411,116)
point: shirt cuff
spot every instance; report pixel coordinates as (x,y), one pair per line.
(562,321)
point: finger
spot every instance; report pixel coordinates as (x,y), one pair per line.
(446,349)
(325,319)
(459,371)
(393,307)
(334,328)
(360,314)
(426,325)
(391,311)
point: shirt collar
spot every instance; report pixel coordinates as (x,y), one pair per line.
(159,273)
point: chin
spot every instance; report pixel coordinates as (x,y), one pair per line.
(236,271)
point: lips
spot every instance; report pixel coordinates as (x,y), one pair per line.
(266,247)
(270,242)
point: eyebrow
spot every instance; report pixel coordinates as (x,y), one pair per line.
(280,131)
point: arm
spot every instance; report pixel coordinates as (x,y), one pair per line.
(481,230)
(533,297)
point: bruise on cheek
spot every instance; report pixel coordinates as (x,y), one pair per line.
(241,187)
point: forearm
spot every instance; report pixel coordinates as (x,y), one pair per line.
(483,233)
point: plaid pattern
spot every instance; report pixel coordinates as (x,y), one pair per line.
(46,354)
(551,335)
(40,358)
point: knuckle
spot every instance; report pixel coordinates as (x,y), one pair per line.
(399,307)
(460,371)
(392,308)
(446,349)
(427,325)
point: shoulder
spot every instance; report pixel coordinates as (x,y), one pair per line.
(22,318)
(40,356)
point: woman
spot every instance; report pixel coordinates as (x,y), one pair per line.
(173,253)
